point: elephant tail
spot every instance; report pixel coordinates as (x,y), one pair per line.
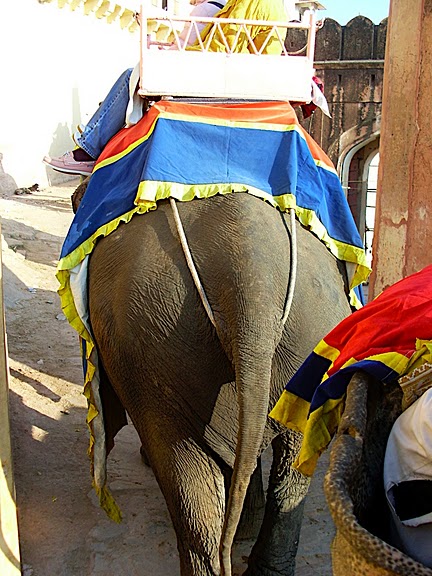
(253,373)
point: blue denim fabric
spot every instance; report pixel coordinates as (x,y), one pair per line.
(108,119)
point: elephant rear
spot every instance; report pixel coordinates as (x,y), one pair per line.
(199,395)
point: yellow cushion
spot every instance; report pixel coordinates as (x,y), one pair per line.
(247,10)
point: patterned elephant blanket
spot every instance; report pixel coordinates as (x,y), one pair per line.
(189,151)
(389,338)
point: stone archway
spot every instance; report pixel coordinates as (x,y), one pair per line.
(370,207)
(353,168)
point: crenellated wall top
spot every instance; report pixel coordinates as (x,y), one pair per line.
(359,39)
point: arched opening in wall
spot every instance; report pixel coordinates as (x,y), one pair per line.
(371,192)
(355,179)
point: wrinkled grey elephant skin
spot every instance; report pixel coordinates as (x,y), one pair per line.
(199,396)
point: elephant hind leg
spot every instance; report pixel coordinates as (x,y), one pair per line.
(193,486)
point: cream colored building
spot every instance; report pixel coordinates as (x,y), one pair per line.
(56,66)
(58,60)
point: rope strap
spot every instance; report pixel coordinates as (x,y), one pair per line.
(190,262)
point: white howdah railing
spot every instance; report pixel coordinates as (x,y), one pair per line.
(168,68)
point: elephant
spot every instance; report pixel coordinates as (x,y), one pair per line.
(199,394)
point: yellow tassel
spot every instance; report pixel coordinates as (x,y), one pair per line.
(108,504)
(134,27)
(111,17)
(90,6)
(126,18)
(103,9)
(74,4)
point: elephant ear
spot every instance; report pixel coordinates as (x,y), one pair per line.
(78,194)
(114,414)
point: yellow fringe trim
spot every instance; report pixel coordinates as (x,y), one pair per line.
(318,429)
(320,426)
(150,192)
(106,499)
(108,503)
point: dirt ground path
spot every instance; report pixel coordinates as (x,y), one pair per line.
(63,531)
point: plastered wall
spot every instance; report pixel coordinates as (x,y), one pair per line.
(56,65)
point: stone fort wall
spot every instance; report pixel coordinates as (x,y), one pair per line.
(350,61)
